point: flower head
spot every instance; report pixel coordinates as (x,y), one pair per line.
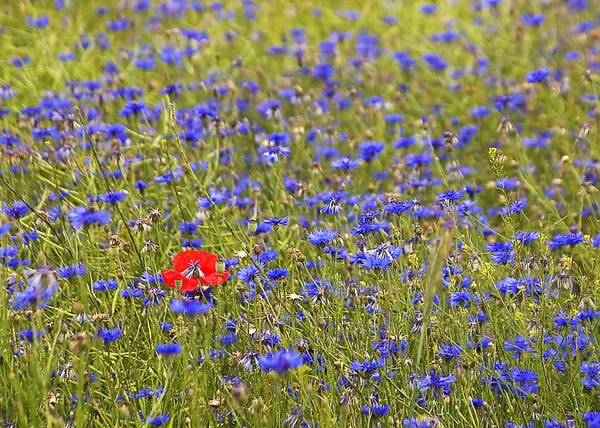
(280,361)
(194,268)
(537,76)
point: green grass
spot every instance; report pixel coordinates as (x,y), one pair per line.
(40,378)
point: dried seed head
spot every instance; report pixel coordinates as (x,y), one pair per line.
(114,240)
(78,342)
(296,254)
(149,246)
(142,224)
(240,393)
(154,215)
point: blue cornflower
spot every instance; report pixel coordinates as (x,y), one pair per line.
(519,382)
(592,419)
(141,185)
(481,111)
(316,290)
(17,210)
(112,196)
(267,338)
(66,57)
(537,76)
(132,292)
(333,205)
(421,422)
(429,9)
(435,61)
(376,409)
(526,237)
(190,307)
(501,252)
(398,207)
(563,240)
(477,402)
(20,61)
(386,347)
(533,20)
(43,285)
(132,108)
(266,256)
(4,229)
(30,236)
(277,221)
(520,345)
(345,163)
(143,393)
(450,195)
(30,334)
(404,142)
(370,150)
(249,274)
(8,251)
(458,297)
(281,361)
(553,423)
(276,144)
(168,349)
(108,335)
(296,419)
(595,241)
(169,176)
(278,274)
(591,370)
(149,278)
(192,243)
(321,237)
(76,269)
(372,261)
(159,420)
(154,296)
(393,118)
(172,90)
(515,207)
(105,285)
(324,71)
(82,216)
(449,352)
(445,37)
(166,326)
(435,382)
(41,22)
(188,227)
(510,285)
(228,339)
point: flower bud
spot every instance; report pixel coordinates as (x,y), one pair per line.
(252,226)
(220,266)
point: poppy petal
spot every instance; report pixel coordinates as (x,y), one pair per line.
(170,278)
(189,284)
(213,279)
(207,261)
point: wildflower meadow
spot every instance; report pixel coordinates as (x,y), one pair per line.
(248,213)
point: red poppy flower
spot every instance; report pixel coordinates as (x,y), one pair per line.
(194,268)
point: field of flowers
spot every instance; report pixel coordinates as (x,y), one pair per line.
(337,213)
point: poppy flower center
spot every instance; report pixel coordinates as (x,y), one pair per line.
(193,271)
